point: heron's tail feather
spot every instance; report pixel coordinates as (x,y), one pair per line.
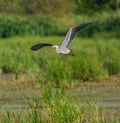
(39,46)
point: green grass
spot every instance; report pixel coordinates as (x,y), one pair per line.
(95,59)
(12,25)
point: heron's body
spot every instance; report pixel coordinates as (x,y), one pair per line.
(63,47)
(62,50)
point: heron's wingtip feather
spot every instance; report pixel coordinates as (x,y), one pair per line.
(34,48)
(39,46)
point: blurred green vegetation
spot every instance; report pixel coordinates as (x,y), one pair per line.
(55,7)
(95,60)
(53,17)
(11,25)
(97,55)
(15,25)
(28,18)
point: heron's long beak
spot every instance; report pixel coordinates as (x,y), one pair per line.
(55,46)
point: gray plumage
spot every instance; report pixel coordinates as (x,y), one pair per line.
(63,47)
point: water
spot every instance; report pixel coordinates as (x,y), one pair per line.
(106,97)
(18,97)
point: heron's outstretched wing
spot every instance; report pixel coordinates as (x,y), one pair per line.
(72,32)
(39,46)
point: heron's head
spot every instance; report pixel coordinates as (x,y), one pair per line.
(55,46)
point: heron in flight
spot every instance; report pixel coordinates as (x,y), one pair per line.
(63,47)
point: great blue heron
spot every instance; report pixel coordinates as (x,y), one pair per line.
(63,47)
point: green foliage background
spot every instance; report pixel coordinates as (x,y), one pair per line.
(53,17)
(55,7)
(27,22)
(40,18)
(36,25)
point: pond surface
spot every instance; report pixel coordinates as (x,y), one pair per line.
(18,97)
(106,97)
